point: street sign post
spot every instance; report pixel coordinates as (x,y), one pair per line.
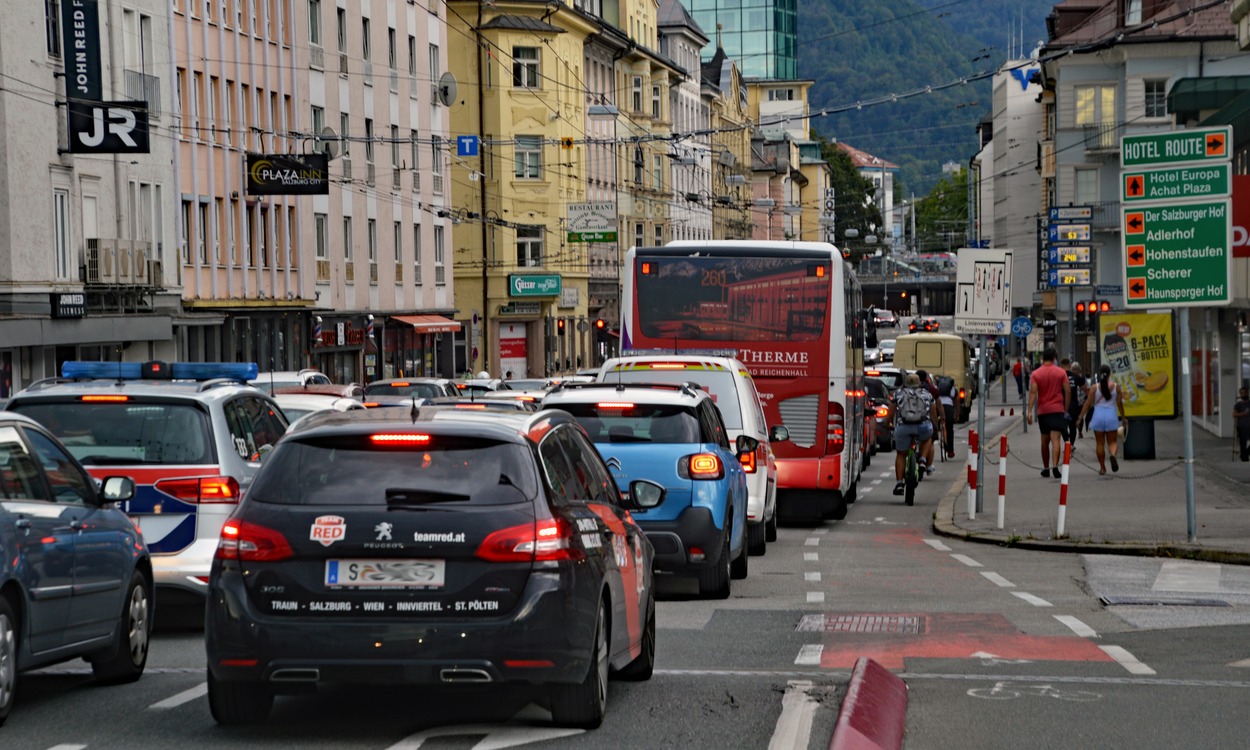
(1206,181)
(1178,254)
(1177,147)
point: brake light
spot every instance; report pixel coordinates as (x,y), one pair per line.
(667,366)
(883,411)
(104,399)
(747,460)
(400,384)
(203,490)
(614,405)
(470,406)
(835,437)
(701,466)
(394,438)
(249,542)
(550,539)
(962,392)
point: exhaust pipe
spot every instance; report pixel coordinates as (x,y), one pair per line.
(457,674)
(295,675)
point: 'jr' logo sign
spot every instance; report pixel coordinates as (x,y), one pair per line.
(108,127)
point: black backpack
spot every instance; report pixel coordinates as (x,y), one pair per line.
(946,386)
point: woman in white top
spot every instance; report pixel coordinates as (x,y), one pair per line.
(1107,402)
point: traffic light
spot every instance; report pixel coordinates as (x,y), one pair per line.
(560,326)
(1081,320)
(601,329)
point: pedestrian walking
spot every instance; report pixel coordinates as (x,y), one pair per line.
(1049,393)
(1079,385)
(1241,418)
(1106,402)
(1018,370)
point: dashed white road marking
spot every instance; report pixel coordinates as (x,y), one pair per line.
(1127,660)
(937,545)
(1182,575)
(967,561)
(815,597)
(820,532)
(811,575)
(1242,663)
(887,474)
(186,696)
(1036,601)
(812,541)
(876,482)
(998,580)
(811,556)
(794,725)
(67,747)
(809,655)
(1076,626)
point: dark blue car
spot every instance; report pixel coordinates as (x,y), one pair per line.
(75,578)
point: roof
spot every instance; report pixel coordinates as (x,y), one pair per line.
(865,160)
(521,23)
(673,13)
(669,394)
(713,69)
(1076,22)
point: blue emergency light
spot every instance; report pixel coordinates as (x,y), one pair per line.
(240,371)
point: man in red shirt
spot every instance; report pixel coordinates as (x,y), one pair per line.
(1049,395)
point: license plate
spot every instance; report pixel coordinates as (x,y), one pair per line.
(393,574)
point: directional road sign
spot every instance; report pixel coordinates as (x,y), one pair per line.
(1205,181)
(1070,232)
(1069,277)
(1177,147)
(1178,254)
(1069,254)
(1070,213)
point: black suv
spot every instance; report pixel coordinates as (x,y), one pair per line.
(432,546)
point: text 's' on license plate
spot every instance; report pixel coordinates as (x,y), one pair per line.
(396,574)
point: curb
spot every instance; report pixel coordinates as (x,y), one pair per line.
(874,711)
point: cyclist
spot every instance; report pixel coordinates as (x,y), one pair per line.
(916,413)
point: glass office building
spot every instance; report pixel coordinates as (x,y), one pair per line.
(760,35)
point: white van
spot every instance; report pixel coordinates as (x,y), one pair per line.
(734,394)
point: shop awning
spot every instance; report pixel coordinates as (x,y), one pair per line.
(429,323)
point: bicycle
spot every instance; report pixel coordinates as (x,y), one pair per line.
(912,472)
(1008,691)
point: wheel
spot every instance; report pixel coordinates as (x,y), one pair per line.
(8,658)
(643,665)
(125,661)
(714,581)
(584,704)
(740,566)
(238,702)
(852,494)
(757,539)
(770,528)
(911,478)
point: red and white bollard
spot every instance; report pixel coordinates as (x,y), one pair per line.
(1063,489)
(1002,480)
(973,447)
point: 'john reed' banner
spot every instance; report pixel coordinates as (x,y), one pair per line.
(80,49)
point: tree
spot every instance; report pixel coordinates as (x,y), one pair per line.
(856,205)
(942,215)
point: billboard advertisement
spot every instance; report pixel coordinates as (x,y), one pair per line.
(1141,352)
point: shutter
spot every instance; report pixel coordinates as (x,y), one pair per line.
(1134,99)
(1065,186)
(1066,106)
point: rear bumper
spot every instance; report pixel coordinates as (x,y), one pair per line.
(810,473)
(186,571)
(546,638)
(673,540)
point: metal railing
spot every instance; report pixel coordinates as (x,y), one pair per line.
(1103,136)
(1105,215)
(141,87)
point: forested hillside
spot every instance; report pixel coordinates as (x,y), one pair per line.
(860,52)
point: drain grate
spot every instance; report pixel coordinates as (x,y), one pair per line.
(900,624)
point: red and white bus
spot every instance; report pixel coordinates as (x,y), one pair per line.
(790,311)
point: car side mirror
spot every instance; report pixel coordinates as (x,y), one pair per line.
(778,433)
(746,444)
(643,493)
(117,489)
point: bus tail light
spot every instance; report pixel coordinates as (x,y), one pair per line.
(835,438)
(701,466)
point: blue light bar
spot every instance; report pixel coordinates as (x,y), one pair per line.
(241,371)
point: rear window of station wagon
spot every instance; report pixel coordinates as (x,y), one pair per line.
(398,469)
(719,383)
(128,432)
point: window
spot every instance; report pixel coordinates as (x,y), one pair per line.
(347,237)
(1095,104)
(640,166)
(637,93)
(397,234)
(341,16)
(659,235)
(415,166)
(639,232)
(436,164)
(392,54)
(366,45)
(416,253)
(318,119)
(436,69)
(1085,186)
(529,246)
(70,486)
(319,229)
(440,277)
(369,140)
(1132,12)
(655,102)
(412,56)
(314,22)
(525,67)
(60,231)
(344,131)
(52,26)
(372,225)
(657,172)
(529,157)
(1157,98)
(395,146)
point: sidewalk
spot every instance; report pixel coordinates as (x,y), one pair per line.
(1140,510)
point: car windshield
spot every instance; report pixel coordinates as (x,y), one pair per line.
(404,388)
(719,383)
(354,470)
(889,344)
(636,423)
(129,432)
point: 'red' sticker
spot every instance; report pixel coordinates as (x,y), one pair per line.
(328,529)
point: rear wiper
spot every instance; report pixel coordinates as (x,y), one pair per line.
(414,496)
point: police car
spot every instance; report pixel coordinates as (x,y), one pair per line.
(445,547)
(190,434)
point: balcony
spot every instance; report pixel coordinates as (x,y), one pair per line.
(1102,138)
(316,57)
(1105,216)
(141,87)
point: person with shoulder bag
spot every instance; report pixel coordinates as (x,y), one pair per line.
(1106,401)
